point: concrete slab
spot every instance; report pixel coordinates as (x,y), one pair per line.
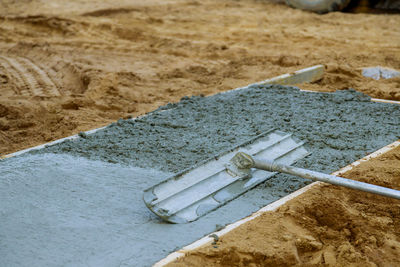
(46,223)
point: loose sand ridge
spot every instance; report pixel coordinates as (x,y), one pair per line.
(68,67)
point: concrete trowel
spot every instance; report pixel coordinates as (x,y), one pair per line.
(203,188)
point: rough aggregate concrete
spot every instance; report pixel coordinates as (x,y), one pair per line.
(339,128)
(82,205)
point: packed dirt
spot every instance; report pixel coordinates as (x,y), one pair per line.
(67,67)
(327,225)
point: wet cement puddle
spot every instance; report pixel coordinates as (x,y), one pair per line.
(79,202)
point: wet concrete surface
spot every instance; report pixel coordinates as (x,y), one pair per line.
(79,202)
(339,128)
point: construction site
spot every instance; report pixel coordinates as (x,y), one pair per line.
(200,133)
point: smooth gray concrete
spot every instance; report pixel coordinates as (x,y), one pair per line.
(61,210)
(82,205)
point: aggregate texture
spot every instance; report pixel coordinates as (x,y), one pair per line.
(339,128)
(79,202)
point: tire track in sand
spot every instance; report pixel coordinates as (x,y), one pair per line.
(21,86)
(30,79)
(42,77)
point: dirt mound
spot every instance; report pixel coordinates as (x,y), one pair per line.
(43,95)
(338,77)
(326,225)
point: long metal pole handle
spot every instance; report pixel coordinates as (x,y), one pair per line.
(318,176)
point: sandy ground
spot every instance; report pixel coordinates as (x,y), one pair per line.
(327,225)
(71,66)
(67,67)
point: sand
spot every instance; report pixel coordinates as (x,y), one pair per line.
(69,67)
(327,225)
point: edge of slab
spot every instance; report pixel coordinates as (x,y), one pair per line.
(306,75)
(269,208)
(49,143)
(310,74)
